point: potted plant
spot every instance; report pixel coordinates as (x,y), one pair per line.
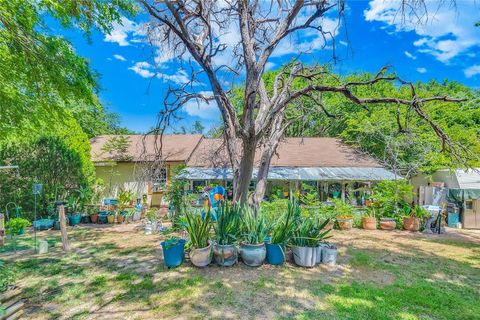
(280,234)
(93,215)
(173,251)
(151,225)
(73,206)
(84,194)
(111,217)
(369,220)
(412,218)
(344,214)
(198,229)
(329,254)
(388,223)
(254,232)
(102,216)
(16,226)
(226,234)
(306,239)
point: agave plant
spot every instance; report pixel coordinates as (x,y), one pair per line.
(254,227)
(198,229)
(309,233)
(284,227)
(228,223)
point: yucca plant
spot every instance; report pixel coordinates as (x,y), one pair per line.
(283,228)
(309,233)
(254,227)
(197,228)
(227,227)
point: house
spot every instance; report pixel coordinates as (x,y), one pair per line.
(460,188)
(323,165)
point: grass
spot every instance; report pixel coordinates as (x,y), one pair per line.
(117,272)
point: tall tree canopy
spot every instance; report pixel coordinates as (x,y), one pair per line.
(43,81)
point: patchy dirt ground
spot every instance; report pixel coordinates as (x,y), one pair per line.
(116,272)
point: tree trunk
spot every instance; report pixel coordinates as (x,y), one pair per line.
(243,174)
(63,228)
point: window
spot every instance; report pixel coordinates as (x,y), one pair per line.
(159,180)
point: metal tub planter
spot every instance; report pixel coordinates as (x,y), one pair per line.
(305,256)
(329,255)
(253,255)
(43,224)
(225,255)
(201,257)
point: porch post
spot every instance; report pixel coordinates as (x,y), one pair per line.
(343,191)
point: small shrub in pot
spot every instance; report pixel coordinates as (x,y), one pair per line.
(306,239)
(198,229)
(369,220)
(227,228)
(254,232)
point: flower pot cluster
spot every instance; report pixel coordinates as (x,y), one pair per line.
(247,235)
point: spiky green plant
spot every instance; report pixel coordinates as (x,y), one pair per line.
(198,229)
(310,232)
(254,227)
(283,228)
(227,227)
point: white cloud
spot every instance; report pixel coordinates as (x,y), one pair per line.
(421,70)
(445,32)
(121,31)
(119,57)
(472,71)
(269,65)
(411,56)
(143,69)
(343,43)
(202,109)
(181,77)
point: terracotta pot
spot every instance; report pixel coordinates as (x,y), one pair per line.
(94,218)
(111,219)
(369,223)
(120,219)
(387,224)
(201,257)
(345,224)
(411,224)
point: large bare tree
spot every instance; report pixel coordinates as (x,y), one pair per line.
(199,32)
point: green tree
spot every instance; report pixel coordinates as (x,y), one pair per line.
(60,164)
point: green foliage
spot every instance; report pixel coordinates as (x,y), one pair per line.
(62,166)
(197,228)
(282,229)
(15,225)
(152,215)
(272,210)
(389,197)
(308,232)
(176,194)
(343,210)
(125,198)
(8,276)
(419,212)
(227,226)
(254,226)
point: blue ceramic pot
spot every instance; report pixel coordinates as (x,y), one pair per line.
(102,216)
(173,253)
(275,253)
(74,219)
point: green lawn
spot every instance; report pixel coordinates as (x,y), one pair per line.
(117,273)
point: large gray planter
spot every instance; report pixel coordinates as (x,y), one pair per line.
(318,254)
(253,255)
(305,256)
(329,255)
(225,255)
(201,257)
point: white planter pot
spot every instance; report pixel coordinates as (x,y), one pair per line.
(150,227)
(329,256)
(305,256)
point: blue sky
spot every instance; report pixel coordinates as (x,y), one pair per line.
(446,46)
